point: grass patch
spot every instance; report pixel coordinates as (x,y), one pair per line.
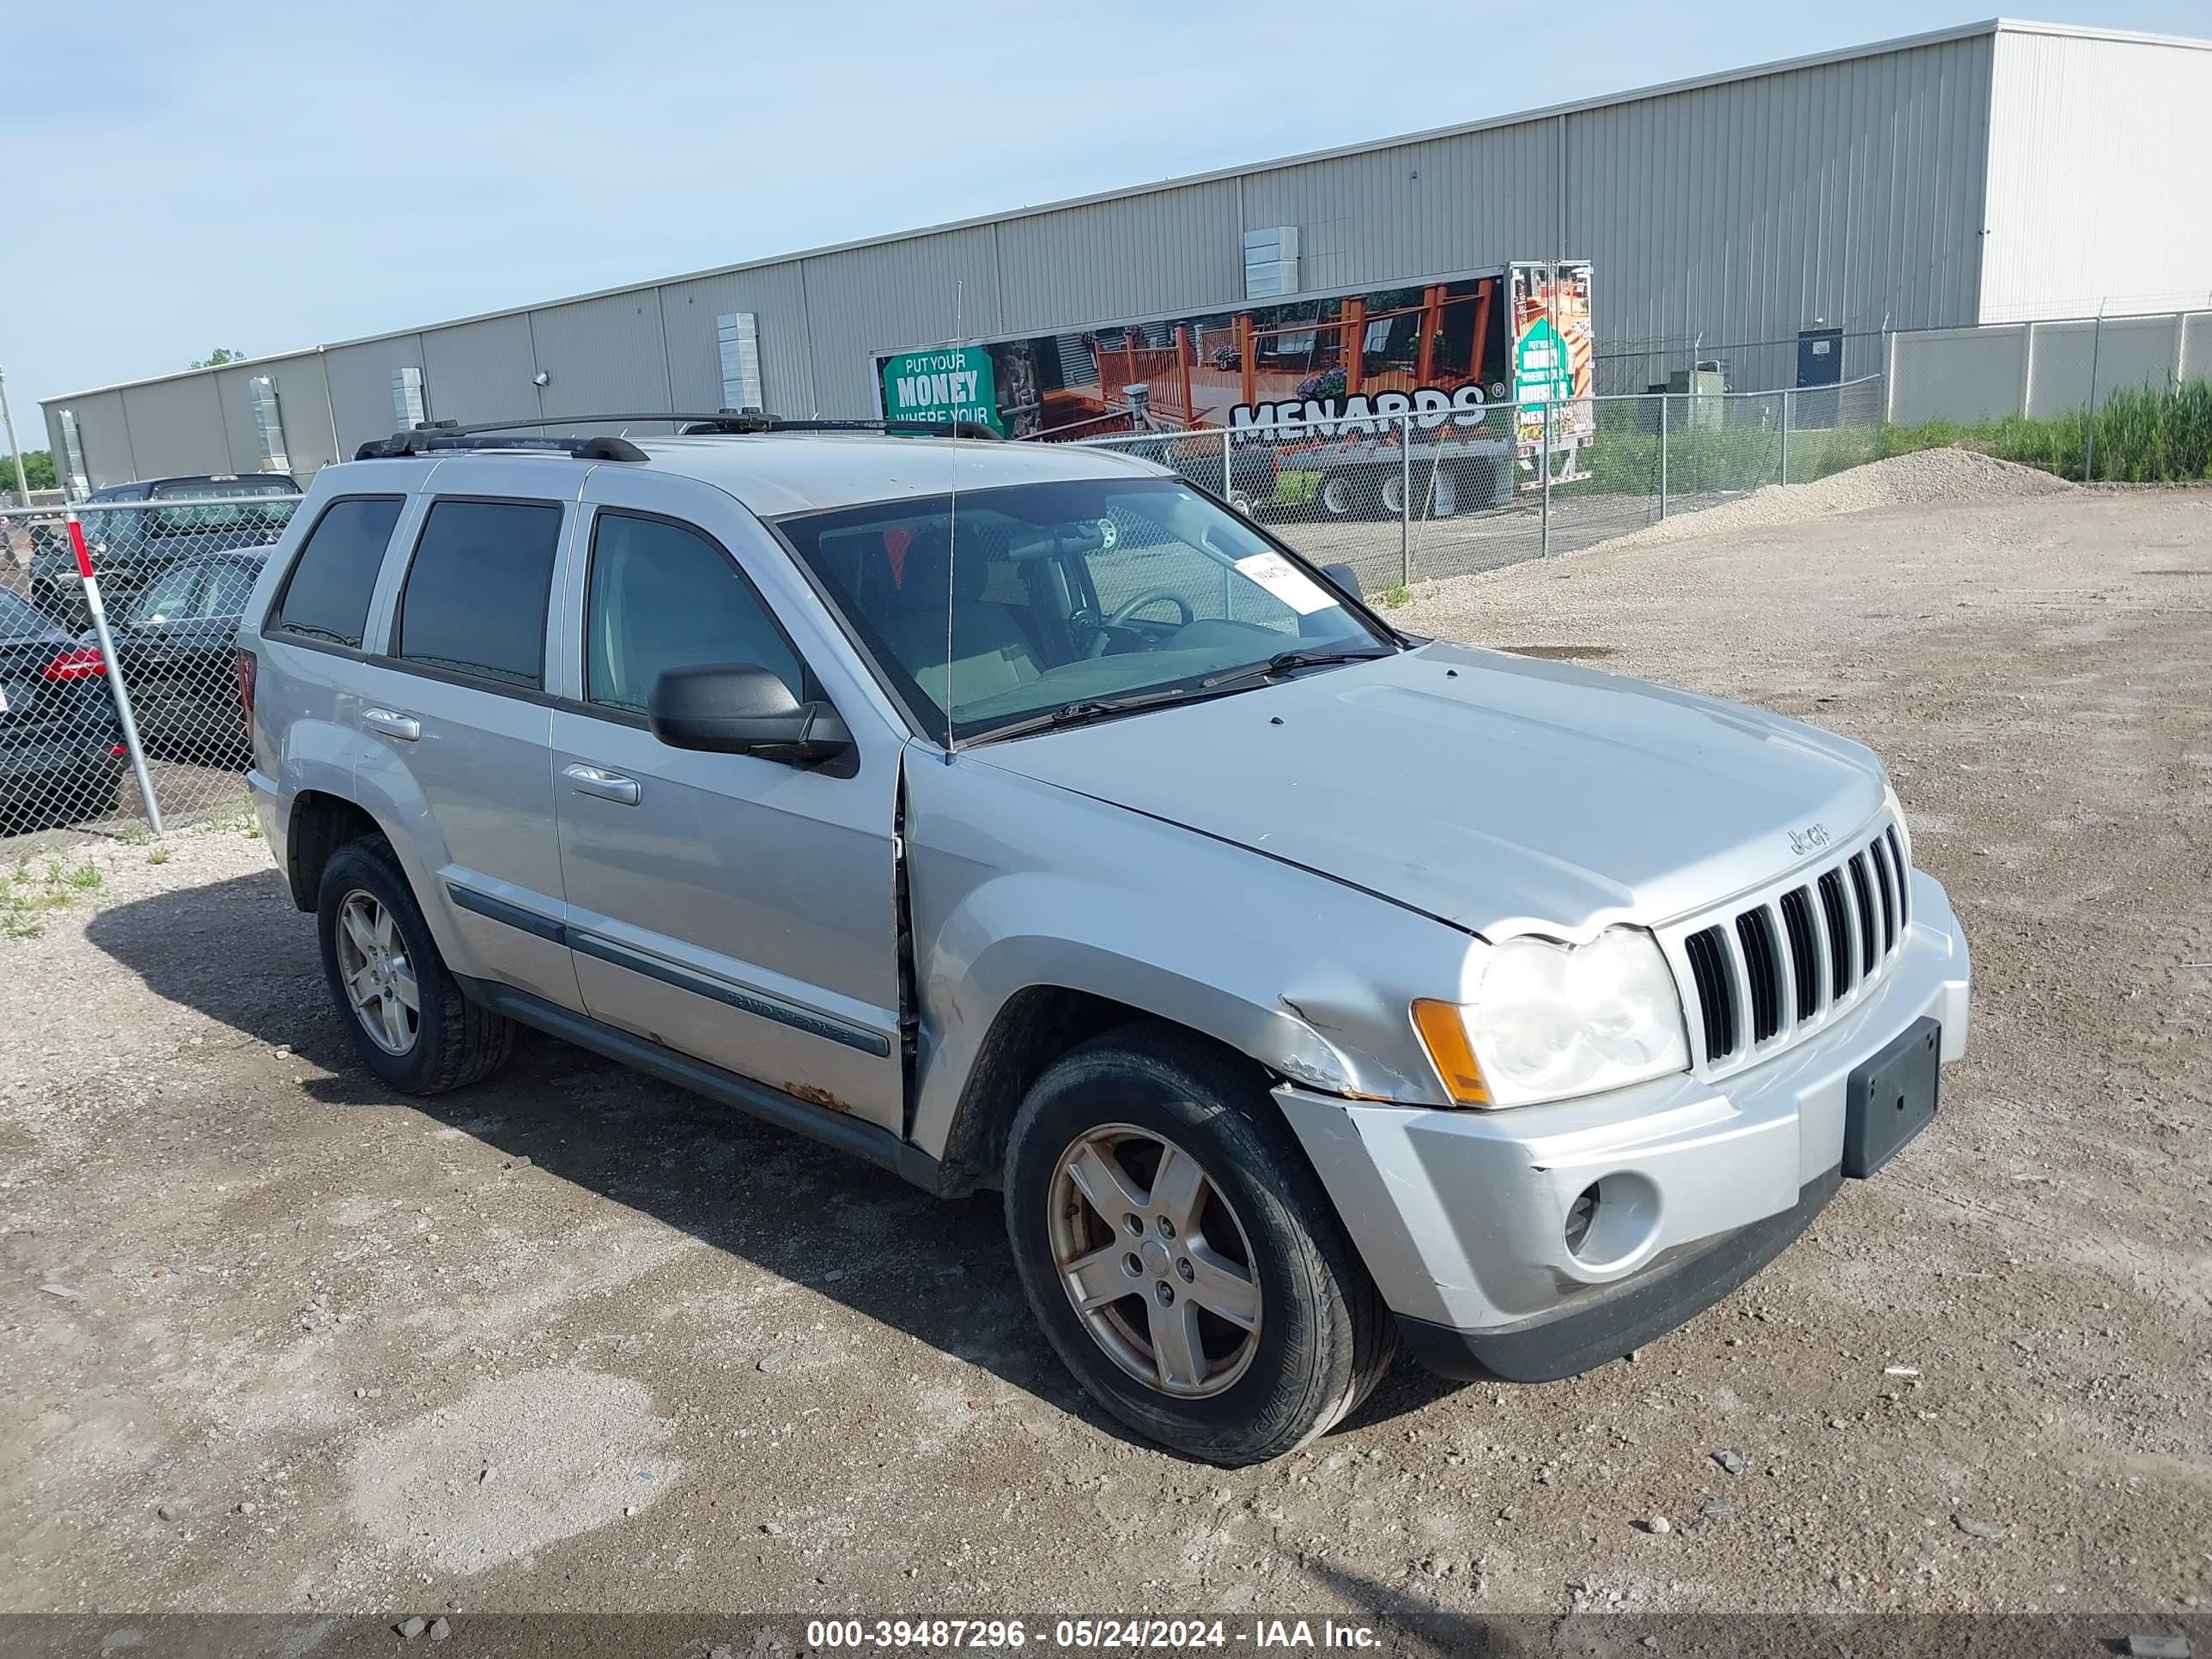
(1395,595)
(27,897)
(2150,434)
(1740,451)
(158,856)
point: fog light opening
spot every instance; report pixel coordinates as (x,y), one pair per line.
(1612,1223)
(1580,1216)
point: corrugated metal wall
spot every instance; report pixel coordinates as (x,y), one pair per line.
(198,423)
(482,369)
(104,433)
(772,293)
(1456,203)
(176,426)
(867,300)
(2097,191)
(1141,255)
(361,384)
(1847,192)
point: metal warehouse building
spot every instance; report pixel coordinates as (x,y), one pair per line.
(1989,174)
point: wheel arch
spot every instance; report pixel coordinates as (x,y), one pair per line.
(975,1076)
(321,823)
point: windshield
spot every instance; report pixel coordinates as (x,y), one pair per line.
(1077,596)
(170,598)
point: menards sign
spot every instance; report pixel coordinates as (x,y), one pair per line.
(953,383)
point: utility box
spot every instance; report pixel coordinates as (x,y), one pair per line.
(1702,386)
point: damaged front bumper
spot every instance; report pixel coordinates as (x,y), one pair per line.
(1467,1219)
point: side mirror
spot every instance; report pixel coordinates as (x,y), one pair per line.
(1345,577)
(740,708)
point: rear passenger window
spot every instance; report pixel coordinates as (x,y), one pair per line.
(326,596)
(475,594)
(663,596)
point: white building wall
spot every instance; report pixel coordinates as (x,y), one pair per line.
(2097,192)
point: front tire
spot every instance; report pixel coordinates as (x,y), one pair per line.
(413,1027)
(1183,1259)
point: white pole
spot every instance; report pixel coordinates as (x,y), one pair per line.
(22,488)
(115,685)
(1406,500)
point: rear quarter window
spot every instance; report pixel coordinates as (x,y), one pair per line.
(326,595)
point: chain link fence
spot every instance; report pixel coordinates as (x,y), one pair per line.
(1413,497)
(144,731)
(1400,499)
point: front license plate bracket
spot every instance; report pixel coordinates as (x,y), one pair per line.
(1892,1098)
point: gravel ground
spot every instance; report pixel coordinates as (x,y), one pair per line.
(276,1340)
(1927,477)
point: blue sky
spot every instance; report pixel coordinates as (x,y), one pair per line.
(269,177)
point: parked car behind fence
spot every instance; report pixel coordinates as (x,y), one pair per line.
(132,544)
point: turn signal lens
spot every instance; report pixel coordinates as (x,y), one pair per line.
(1444,1031)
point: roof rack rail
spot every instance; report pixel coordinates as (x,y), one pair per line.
(442,439)
(735,422)
(740,421)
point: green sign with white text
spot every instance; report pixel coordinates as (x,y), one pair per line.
(953,383)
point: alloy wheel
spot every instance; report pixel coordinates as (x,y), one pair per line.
(1154,1260)
(379,980)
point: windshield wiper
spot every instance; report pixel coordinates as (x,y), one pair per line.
(1081,714)
(1313,656)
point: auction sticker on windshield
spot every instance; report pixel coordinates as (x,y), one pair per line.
(1286,582)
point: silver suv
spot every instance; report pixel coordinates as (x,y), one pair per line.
(1019,816)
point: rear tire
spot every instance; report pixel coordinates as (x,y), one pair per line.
(449,1041)
(1262,1238)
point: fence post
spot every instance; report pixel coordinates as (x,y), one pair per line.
(2090,420)
(1785,434)
(1406,500)
(1662,454)
(1544,453)
(1228,472)
(123,716)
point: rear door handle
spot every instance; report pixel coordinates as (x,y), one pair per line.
(607,786)
(405,727)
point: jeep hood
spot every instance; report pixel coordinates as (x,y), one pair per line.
(1500,793)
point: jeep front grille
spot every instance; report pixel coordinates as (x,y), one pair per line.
(1760,975)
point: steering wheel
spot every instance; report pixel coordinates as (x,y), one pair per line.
(1129,607)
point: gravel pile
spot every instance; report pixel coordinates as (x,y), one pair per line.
(1925,477)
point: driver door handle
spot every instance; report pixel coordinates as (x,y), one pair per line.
(607,786)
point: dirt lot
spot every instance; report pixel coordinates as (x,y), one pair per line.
(276,1340)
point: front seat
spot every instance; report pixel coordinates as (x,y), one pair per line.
(991,652)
